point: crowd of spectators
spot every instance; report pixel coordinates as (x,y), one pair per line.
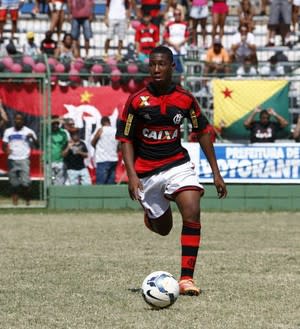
(177,24)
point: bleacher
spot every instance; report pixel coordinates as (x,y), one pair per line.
(40,24)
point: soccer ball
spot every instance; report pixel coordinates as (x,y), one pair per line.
(160,289)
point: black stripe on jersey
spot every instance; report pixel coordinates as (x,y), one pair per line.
(158,151)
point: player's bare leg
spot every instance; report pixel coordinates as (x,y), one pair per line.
(188,203)
(161,225)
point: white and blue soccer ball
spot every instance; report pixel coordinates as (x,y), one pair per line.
(160,289)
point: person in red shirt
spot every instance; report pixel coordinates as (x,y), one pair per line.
(158,167)
(153,7)
(146,37)
(48,45)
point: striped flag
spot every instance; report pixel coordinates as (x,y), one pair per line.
(234,100)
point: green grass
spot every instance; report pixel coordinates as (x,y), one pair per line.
(82,269)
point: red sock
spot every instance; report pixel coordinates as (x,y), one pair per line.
(190,242)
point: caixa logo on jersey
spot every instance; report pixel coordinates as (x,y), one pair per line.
(160,134)
(178,119)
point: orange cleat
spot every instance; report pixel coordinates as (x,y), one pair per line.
(187,287)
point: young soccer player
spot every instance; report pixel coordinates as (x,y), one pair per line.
(158,167)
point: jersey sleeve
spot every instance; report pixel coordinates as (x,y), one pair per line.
(198,120)
(126,125)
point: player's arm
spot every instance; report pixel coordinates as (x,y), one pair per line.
(5,147)
(208,149)
(296,132)
(134,183)
(282,121)
(250,119)
(96,137)
(200,125)
(3,115)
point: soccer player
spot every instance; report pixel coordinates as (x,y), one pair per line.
(158,167)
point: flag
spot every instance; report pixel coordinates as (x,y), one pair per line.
(85,105)
(234,100)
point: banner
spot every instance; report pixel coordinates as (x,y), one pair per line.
(234,100)
(85,105)
(255,163)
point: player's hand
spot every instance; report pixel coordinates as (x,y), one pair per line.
(257,110)
(271,111)
(220,186)
(135,187)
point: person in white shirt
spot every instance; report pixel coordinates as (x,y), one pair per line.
(272,68)
(30,48)
(243,45)
(17,144)
(106,152)
(247,68)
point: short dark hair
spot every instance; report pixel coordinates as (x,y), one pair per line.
(163,50)
(264,112)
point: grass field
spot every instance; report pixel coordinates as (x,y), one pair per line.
(83,270)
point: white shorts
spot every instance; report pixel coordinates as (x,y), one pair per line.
(56,5)
(117,27)
(296,3)
(159,189)
(199,12)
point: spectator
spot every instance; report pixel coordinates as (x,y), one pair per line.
(81,16)
(247,68)
(12,7)
(198,15)
(11,48)
(171,7)
(246,13)
(295,15)
(263,6)
(17,144)
(176,36)
(219,11)
(30,48)
(280,18)
(40,6)
(264,130)
(67,51)
(59,141)
(3,51)
(296,132)
(48,45)
(3,118)
(69,126)
(273,68)
(106,152)
(153,7)
(57,16)
(243,45)
(217,59)
(74,155)
(116,19)
(146,37)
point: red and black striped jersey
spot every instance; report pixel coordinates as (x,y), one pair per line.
(151,122)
